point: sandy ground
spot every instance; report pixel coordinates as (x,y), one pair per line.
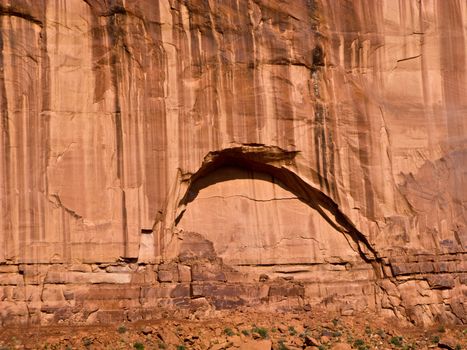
(240,330)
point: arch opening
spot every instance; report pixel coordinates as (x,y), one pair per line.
(280,166)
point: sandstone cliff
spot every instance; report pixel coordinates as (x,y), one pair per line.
(257,152)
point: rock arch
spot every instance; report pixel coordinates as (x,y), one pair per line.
(324,278)
(278,163)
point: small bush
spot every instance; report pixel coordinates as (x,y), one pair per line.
(245,332)
(87,342)
(282,346)
(122,329)
(360,344)
(367,330)
(335,321)
(162,345)
(229,332)
(396,341)
(263,332)
(441,329)
(435,339)
(138,346)
(181,347)
(292,330)
(381,333)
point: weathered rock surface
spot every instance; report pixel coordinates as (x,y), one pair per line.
(158,154)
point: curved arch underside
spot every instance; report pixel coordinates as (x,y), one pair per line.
(246,215)
(273,165)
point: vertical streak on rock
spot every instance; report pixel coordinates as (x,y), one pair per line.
(5,214)
(113,32)
(254,99)
(155,130)
(426,85)
(44,127)
(453,60)
(213,94)
(188,40)
(172,107)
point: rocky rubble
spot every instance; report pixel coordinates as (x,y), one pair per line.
(244,330)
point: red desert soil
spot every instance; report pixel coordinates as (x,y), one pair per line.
(240,330)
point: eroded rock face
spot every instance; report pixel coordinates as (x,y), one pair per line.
(232,153)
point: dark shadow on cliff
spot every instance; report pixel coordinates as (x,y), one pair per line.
(267,163)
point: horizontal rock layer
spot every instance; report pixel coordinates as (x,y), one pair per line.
(220,143)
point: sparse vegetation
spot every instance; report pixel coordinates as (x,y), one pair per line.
(281,345)
(138,346)
(229,332)
(285,333)
(360,344)
(396,341)
(263,332)
(381,333)
(87,342)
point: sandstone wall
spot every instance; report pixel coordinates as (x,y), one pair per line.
(191,153)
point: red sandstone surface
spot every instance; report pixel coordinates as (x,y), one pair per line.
(264,154)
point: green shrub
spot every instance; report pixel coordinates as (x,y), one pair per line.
(245,332)
(292,330)
(138,346)
(381,333)
(360,344)
(282,346)
(181,347)
(435,339)
(122,329)
(229,332)
(87,342)
(263,332)
(396,341)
